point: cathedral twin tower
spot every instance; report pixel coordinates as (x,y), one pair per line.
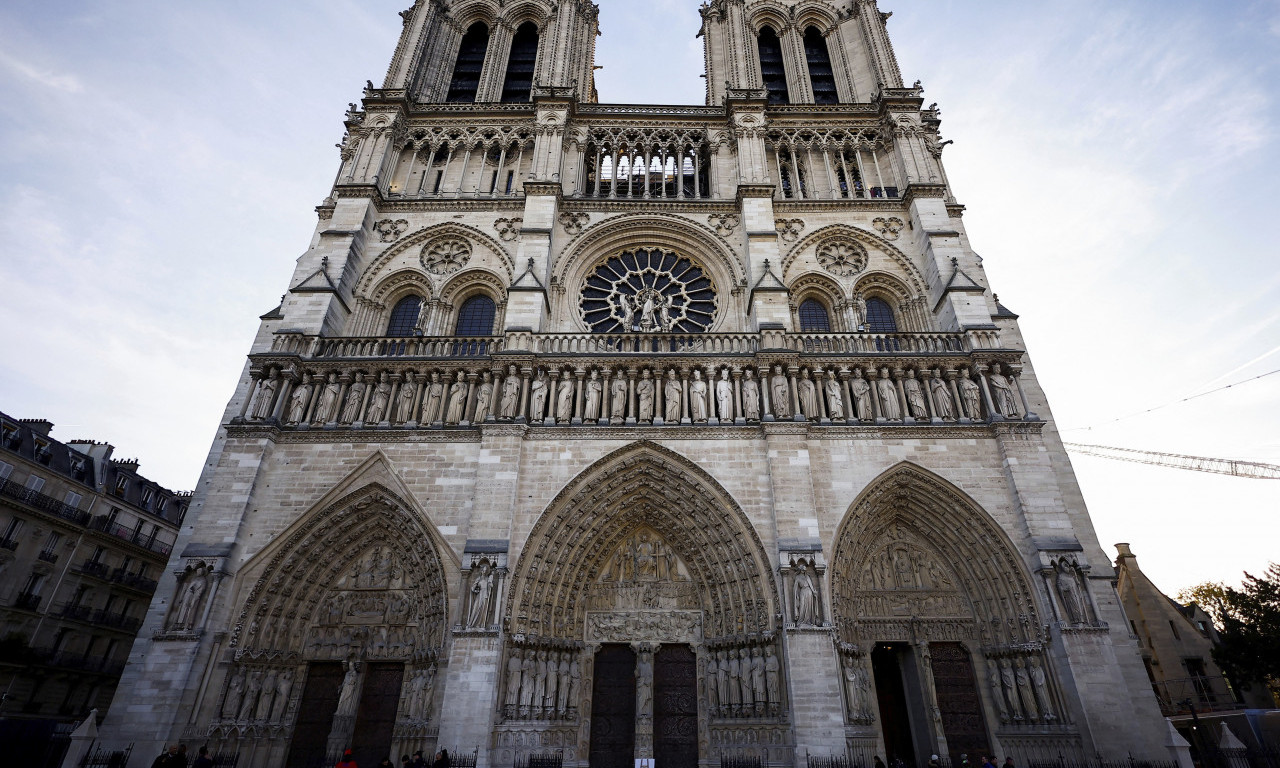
(613,432)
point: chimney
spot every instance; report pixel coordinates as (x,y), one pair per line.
(94,450)
(41,427)
(128,465)
(1126,554)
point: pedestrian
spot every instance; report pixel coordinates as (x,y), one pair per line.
(879,762)
(168,758)
(1008,762)
(404,761)
(203,760)
(986,762)
(933,762)
(181,760)
(442,759)
(386,763)
(418,762)
(348,760)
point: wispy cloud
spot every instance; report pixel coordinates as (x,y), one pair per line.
(66,83)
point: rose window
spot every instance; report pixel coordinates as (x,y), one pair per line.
(445,256)
(842,258)
(648,291)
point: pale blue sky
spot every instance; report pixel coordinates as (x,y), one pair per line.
(159,163)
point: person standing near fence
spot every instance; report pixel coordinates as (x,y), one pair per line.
(203,760)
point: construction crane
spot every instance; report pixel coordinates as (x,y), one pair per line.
(1251,470)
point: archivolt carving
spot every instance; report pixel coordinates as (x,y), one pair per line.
(910,272)
(401,283)
(596,547)
(464,282)
(914,550)
(373,273)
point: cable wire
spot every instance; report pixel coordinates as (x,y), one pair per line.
(1171,404)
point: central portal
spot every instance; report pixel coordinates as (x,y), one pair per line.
(613,708)
(675,707)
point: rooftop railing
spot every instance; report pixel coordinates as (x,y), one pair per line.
(12,490)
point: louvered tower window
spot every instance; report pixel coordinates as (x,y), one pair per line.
(524,55)
(771,69)
(466,72)
(813,317)
(821,76)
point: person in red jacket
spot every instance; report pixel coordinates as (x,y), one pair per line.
(348,760)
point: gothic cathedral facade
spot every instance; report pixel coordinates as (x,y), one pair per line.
(607,432)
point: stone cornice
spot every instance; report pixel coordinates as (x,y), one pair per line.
(604,204)
(843,204)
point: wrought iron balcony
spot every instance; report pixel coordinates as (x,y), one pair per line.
(27,601)
(48,556)
(93,568)
(111,528)
(1204,694)
(39,501)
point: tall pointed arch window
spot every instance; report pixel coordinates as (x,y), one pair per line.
(466,71)
(880,317)
(814,317)
(821,76)
(518,85)
(476,317)
(404,318)
(771,68)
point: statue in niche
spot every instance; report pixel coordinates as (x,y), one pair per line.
(457,400)
(997,689)
(713,687)
(1024,688)
(564,673)
(698,410)
(750,396)
(1070,593)
(193,587)
(575,680)
(538,396)
(942,397)
(515,667)
(672,394)
(414,698)
(857,687)
(903,568)
(721,662)
(594,396)
(971,395)
(915,396)
(484,397)
(859,311)
(510,402)
(284,688)
(644,396)
(263,400)
(835,400)
(618,399)
(724,396)
(889,405)
(431,407)
(235,694)
(540,680)
(1002,392)
(806,597)
(527,664)
(860,388)
(772,676)
(380,402)
(1036,671)
(263,710)
(481,593)
(780,394)
(564,398)
(348,697)
(553,682)
(327,409)
(252,689)
(627,308)
(298,401)
(335,610)
(808,396)
(407,398)
(734,679)
(355,401)
(758,690)
(1009,684)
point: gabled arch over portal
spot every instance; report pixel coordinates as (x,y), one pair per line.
(639,489)
(971,557)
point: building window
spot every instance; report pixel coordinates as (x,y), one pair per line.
(771,68)
(524,55)
(880,317)
(122,484)
(5,471)
(72,499)
(466,71)
(33,584)
(821,76)
(10,539)
(404,318)
(51,543)
(35,483)
(813,317)
(476,317)
(1174,628)
(147,495)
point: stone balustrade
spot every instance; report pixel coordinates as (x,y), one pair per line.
(637,380)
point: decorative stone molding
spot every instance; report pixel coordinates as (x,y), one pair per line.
(508,229)
(842,258)
(725,224)
(446,256)
(789,229)
(390,230)
(574,222)
(888,227)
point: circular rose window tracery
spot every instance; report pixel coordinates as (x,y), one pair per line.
(648,291)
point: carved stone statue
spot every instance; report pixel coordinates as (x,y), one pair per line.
(750,396)
(564,398)
(457,400)
(854,680)
(192,591)
(860,388)
(971,395)
(1024,688)
(915,396)
(835,399)
(997,689)
(299,400)
(724,396)
(562,690)
(734,679)
(772,676)
(432,412)
(859,311)
(698,407)
(644,683)
(1010,685)
(262,402)
(806,597)
(808,396)
(618,399)
(1069,593)
(481,592)
(407,399)
(942,401)
(1002,392)
(347,698)
(263,710)
(1042,691)
(510,395)
(327,409)
(380,402)
(594,397)
(758,690)
(538,396)
(645,391)
(355,400)
(575,680)
(235,695)
(722,678)
(780,394)
(252,689)
(284,688)
(484,397)
(889,405)
(672,395)
(515,666)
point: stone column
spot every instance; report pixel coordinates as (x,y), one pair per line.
(907,418)
(850,408)
(633,411)
(961,417)
(580,374)
(522,415)
(995,414)
(796,415)
(685,416)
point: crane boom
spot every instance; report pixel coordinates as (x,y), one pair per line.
(1252,470)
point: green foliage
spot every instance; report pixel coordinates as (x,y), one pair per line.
(1250,629)
(1210,596)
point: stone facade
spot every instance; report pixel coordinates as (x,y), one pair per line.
(681,432)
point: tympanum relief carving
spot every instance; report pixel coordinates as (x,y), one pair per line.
(903,578)
(644,572)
